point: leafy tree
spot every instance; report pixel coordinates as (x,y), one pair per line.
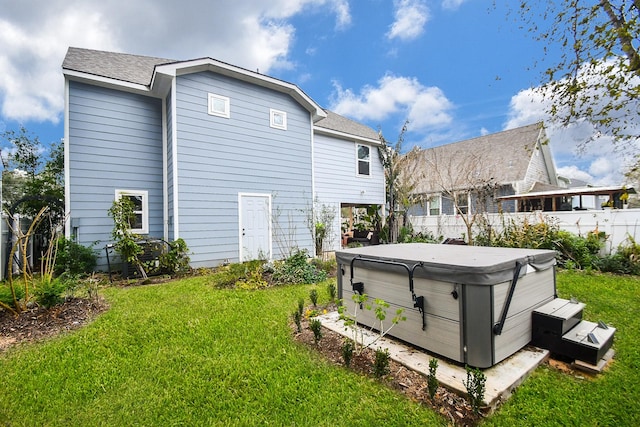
(597,78)
(32,174)
(399,182)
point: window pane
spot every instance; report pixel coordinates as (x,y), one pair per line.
(363,152)
(136,201)
(363,168)
(219,105)
(136,223)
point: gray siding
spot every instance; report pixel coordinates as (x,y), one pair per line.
(221,157)
(115,142)
(336,179)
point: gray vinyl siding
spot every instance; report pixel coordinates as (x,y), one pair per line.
(115,142)
(337,181)
(221,157)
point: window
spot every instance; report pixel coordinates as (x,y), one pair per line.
(434,206)
(364,160)
(278,119)
(140,201)
(462,202)
(218,106)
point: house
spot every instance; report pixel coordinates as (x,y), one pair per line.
(468,176)
(230,160)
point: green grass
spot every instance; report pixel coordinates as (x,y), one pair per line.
(184,353)
(552,398)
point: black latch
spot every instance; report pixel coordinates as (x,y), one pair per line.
(418,302)
(358,287)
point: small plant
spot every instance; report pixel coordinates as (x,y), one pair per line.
(381,363)
(313,296)
(475,385)
(350,320)
(301,306)
(347,352)
(432,381)
(73,258)
(331,290)
(297,319)
(125,240)
(296,269)
(316,327)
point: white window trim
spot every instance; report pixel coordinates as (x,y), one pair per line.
(272,121)
(212,97)
(358,174)
(145,208)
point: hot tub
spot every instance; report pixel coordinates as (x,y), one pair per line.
(471,304)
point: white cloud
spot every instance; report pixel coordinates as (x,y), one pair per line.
(598,160)
(250,33)
(452,4)
(410,19)
(425,107)
(574,172)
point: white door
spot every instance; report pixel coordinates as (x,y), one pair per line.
(255,226)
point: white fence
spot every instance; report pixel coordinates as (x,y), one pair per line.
(618,224)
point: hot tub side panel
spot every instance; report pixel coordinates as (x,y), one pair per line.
(442,333)
(532,290)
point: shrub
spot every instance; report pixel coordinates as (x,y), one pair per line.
(49,291)
(381,363)
(626,260)
(475,385)
(297,319)
(432,381)
(176,259)
(74,258)
(296,269)
(331,290)
(347,352)
(313,296)
(316,327)
(228,275)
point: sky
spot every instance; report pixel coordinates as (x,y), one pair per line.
(455,69)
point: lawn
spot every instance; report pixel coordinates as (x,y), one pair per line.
(184,353)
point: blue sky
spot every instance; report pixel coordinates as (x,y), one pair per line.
(456,69)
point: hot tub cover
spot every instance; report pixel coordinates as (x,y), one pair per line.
(474,265)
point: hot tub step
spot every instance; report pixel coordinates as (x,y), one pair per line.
(556,318)
(588,341)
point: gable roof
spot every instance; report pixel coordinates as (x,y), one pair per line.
(123,67)
(504,156)
(152,75)
(337,125)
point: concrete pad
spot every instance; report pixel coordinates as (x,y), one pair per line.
(502,378)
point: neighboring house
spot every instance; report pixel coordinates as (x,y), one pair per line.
(228,159)
(469,176)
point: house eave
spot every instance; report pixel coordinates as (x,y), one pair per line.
(106,82)
(344,135)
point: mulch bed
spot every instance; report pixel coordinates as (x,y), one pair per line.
(38,322)
(453,407)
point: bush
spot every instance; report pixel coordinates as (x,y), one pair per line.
(74,258)
(296,269)
(49,291)
(381,363)
(6,296)
(626,260)
(227,276)
(176,259)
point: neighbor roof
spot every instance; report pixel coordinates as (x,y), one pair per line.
(502,156)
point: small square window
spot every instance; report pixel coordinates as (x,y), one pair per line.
(219,106)
(364,160)
(140,201)
(278,119)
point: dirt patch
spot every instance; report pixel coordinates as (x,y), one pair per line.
(454,408)
(38,322)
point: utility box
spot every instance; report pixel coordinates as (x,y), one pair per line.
(471,304)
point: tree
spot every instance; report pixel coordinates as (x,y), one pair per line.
(463,179)
(597,78)
(399,181)
(32,174)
